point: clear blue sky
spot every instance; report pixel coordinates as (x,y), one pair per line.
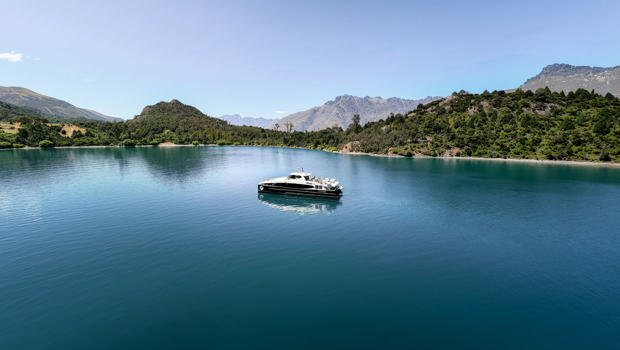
(258,58)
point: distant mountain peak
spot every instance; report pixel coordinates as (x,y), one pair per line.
(236,119)
(566,77)
(568,69)
(557,68)
(340,111)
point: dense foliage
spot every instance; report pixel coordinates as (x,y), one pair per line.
(167,122)
(579,125)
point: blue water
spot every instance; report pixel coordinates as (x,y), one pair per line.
(174,248)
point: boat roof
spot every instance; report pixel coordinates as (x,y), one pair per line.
(301,173)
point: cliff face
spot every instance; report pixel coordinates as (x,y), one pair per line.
(566,77)
(340,111)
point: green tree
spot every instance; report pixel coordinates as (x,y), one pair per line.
(46,144)
(355,125)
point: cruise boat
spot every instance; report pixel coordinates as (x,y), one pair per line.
(302,184)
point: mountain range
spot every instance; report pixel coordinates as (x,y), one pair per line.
(339,112)
(520,124)
(236,119)
(50,106)
(566,77)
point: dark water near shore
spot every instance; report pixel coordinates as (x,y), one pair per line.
(173,248)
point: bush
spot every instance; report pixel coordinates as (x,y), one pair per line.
(128,143)
(604,156)
(83,141)
(46,144)
(195,143)
(18,145)
(5,145)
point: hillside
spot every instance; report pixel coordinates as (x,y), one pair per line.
(8,111)
(162,122)
(579,126)
(183,124)
(48,105)
(171,122)
(236,119)
(533,125)
(340,111)
(565,77)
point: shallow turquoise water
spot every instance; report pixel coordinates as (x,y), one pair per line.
(173,247)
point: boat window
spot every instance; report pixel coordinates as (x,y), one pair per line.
(307,177)
(294,185)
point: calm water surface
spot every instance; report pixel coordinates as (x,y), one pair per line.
(173,247)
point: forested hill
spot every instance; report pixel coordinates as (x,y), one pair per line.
(171,121)
(179,123)
(173,109)
(580,125)
(173,117)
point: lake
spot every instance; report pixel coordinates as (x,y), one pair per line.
(109,248)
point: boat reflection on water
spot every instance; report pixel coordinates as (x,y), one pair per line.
(299,205)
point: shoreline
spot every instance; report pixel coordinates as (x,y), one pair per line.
(27,148)
(510,160)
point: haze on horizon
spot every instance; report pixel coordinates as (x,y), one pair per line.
(268,59)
